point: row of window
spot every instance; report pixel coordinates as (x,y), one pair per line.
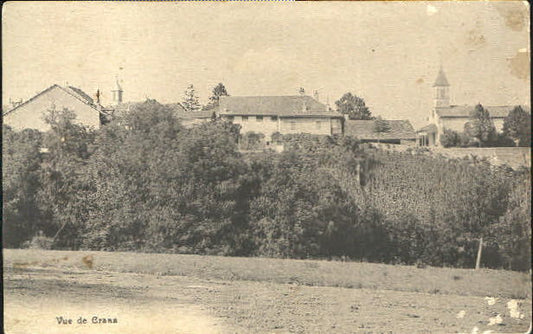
(318,124)
(257,118)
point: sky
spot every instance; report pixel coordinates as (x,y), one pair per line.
(388,53)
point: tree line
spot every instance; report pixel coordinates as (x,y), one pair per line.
(480,131)
(145,183)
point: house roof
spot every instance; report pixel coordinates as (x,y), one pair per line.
(441,80)
(123,106)
(73,91)
(466,110)
(80,94)
(430,128)
(364,129)
(176,108)
(283,106)
(184,114)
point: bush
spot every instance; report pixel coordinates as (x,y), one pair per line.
(39,242)
(252,141)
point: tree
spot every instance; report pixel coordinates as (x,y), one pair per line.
(353,106)
(218,91)
(134,168)
(21,163)
(480,126)
(452,138)
(513,233)
(65,183)
(381,126)
(517,125)
(252,140)
(190,101)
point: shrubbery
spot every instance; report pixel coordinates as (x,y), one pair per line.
(480,131)
(145,183)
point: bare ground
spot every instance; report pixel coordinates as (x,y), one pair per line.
(35,293)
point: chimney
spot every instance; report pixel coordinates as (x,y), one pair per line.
(315,95)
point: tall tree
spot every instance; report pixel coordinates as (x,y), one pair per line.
(65,185)
(190,101)
(21,163)
(480,126)
(218,91)
(354,106)
(517,125)
(381,126)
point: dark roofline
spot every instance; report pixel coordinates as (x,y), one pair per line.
(264,96)
(31,99)
(46,90)
(284,116)
(451,107)
(467,116)
(77,97)
(484,106)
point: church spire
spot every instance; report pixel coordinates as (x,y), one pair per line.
(441,80)
(441,85)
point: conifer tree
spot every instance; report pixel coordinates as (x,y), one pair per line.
(190,101)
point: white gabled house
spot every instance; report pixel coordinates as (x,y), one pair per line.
(30,114)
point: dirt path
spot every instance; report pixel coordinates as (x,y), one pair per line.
(149,303)
(34,299)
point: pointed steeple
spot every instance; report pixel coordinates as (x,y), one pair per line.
(442,94)
(441,80)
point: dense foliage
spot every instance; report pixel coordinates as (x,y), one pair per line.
(353,106)
(252,141)
(480,130)
(480,126)
(143,182)
(21,162)
(517,125)
(218,91)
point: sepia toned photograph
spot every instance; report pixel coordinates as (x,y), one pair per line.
(266,167)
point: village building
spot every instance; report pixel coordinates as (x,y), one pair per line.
(30,114)
(191,118)
(280,114)
(454,117)
(397,131)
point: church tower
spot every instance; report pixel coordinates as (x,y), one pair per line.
(442,94)
(117,93)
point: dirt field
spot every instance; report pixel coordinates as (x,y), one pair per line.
(159,293)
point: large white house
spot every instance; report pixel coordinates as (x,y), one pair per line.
(454,117)
(30,114)
(280,114)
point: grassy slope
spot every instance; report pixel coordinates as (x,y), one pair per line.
(465,282)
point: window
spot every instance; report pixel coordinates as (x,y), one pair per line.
(318,125)
(259,118)
(244,118)
(293,125)
(230,118)
(273,118)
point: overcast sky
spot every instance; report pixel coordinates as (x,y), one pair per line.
(388,53)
